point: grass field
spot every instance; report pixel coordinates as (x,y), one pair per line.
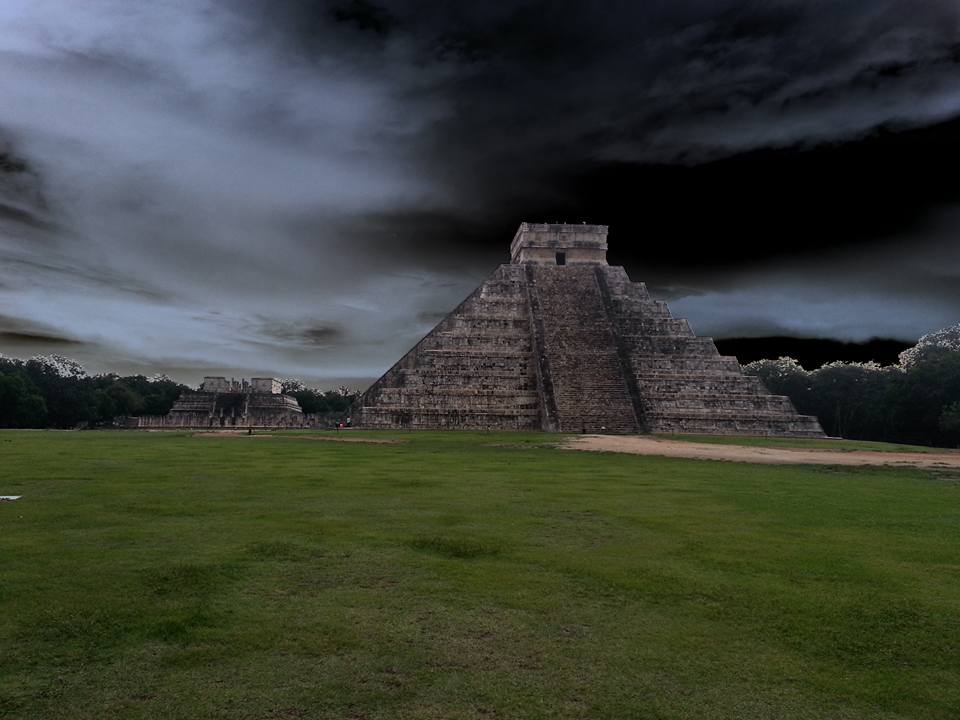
(159,575)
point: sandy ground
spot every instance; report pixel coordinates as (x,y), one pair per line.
(325,438)
(644,445)
(341,438)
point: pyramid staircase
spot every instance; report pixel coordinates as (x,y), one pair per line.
(579,343)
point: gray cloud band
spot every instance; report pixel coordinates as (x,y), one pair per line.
(214,184)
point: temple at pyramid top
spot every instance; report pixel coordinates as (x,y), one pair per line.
(559,244)
(559,340)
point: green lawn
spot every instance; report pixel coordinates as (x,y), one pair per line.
(459,575)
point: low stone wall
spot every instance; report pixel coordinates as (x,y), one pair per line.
(272,422)
(211,410)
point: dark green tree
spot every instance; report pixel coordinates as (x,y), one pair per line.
(21,404)
(950,423)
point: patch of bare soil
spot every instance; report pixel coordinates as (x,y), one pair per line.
(644,445)
(227,433)
(325,438)
(345,439)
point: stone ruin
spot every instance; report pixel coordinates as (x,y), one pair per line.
(558,340)
(222,403)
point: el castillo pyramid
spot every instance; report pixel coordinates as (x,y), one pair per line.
(560,341)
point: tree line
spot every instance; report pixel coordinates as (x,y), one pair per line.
(916,401)
(316,401)
(56,392)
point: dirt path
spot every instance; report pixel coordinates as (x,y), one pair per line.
(342,439)
(324,438)
(644,445)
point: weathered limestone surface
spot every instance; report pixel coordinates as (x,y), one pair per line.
(474,370)
(579,344)
(684,384)
(223,403)
(558,340)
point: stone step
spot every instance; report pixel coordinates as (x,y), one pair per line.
(651,365)
(478,325)
(454,376)
(589,389)
(668,412)
(512,413)
(670,346)
(471,350)
(691,376)
(811,430)
(776,403)
(630,325)
(648,309)
(474,352)
(431,394)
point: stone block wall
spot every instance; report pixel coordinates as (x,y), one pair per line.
(685,385)
(215,384)
(473,370)
(539,243)
(271,386)
(227,410)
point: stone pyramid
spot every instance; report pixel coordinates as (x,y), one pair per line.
(560,341)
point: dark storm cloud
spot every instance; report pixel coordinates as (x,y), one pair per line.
(297,186)
(309,336)
(551,83)
(755,119)
(21,195)
(15,331)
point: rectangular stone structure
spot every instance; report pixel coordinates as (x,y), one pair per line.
(270,386)
(215,384)
(222,403)
(550,244)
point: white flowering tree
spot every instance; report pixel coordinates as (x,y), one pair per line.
(291,386)
(785,376)
(63,366)
(931,345)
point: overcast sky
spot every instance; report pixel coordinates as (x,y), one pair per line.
(304,188)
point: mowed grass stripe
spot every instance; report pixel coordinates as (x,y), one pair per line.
(466,575)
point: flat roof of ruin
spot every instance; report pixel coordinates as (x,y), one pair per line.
(581,228)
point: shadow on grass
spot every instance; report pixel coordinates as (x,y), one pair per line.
(279,550)
(456,548)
